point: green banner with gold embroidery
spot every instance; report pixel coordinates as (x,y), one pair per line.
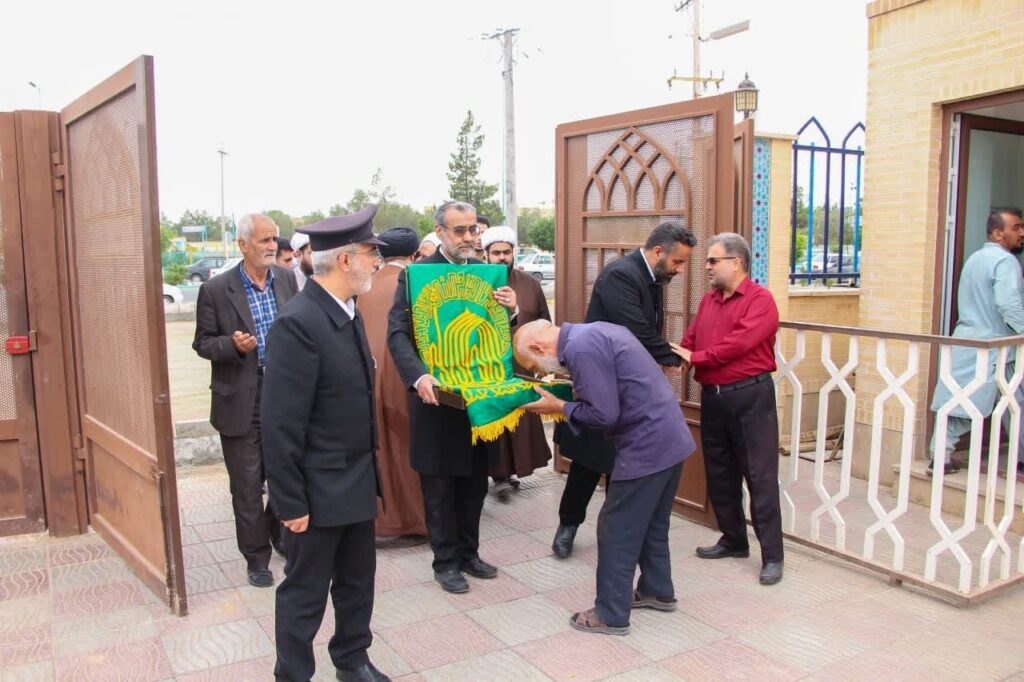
(463,337)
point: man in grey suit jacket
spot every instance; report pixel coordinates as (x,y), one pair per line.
(234,312)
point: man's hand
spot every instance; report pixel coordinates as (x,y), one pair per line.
(548,403)
(244,342)
(506,297)
(681,352)
(425,389)
(298,525)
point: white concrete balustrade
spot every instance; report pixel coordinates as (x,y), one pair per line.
(862,507)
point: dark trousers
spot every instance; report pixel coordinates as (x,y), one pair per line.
(255,523)
(337,559)
(633,529)
(740,435)
(453,505)
(579,488)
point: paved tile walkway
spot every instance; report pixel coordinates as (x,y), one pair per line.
(71,610)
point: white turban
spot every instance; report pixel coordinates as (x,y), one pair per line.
(498,233)
(431,238)
(299,239)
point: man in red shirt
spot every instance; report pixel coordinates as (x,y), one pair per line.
(731,346)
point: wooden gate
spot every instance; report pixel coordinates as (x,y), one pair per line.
(618,177)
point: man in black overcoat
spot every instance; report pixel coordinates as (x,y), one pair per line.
(628,292)
(319,449)
(453,472)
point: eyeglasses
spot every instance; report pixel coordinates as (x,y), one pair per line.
(373,253)
(712,260)
(460,232)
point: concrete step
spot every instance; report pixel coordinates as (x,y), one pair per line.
(954,494)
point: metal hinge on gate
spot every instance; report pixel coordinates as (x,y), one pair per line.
(59,171)
(21,345)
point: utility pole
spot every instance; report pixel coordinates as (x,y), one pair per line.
(507,37)
(223,229)
(700,82)
(698,86)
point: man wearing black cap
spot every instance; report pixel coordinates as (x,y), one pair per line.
(453,471)
(401,523)
(319,445)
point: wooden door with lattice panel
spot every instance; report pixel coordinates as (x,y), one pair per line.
(111,210)
(619,176)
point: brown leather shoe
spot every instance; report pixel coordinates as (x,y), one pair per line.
(589,621)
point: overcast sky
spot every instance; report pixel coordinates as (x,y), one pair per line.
(310,98)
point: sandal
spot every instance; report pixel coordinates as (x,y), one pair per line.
(589,621)
(656,603)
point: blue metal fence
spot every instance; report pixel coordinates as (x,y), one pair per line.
(837,260)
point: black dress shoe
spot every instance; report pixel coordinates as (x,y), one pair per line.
(564,537)
(722,552)
(478,568)
(365,673)
(771,573)
(261,577)
(452,581)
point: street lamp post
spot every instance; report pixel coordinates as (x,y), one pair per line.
(39,91)
(746,97)
(222,153)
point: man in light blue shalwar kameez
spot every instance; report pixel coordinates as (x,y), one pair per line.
(990,305)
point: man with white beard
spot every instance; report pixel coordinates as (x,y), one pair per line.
(319,450)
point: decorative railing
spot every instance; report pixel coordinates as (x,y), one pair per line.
(885,531)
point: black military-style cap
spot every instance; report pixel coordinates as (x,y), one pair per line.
(355,228)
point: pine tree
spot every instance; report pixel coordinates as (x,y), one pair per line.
(464,172)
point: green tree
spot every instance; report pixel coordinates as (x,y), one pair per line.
(310,218)
(464,179)
(167,237)
(200,217)
(285,222)
(175,274)
(542,233)
(390,212)
(425,224)
(337,210)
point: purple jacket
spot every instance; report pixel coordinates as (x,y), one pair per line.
(621,391)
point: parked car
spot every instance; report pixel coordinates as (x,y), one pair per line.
(227,265)
(540,266)
(172,294)
(199,271)
(524,251)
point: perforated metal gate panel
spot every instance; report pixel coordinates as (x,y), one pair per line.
(8,405)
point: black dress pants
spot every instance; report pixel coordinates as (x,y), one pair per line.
(579,488)
(342,561)
(453,505)
(255,522)
(740,437)
(633,529)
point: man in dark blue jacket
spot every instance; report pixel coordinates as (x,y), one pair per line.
(319,450)
(620,391)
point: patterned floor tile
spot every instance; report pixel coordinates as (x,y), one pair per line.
(40,671)
(943,651)
(16,614)
(259,600)
(194,650)
(549,573)
(201,579)
(90,548)
(142,661)
(210,513)
(83,634)
(204,610)
(26,645)
(501,588)
(22,559)
(189,536)
(735,609)
(513,549)
(648,673)
(386,659)
(224,550)
(878,665)
(661,635)
(216,531)
(577,597)
(418,565)
(204,496)
(254,669)
(113,596)
(581,655)
(25,584)
(390,577)
(439,641)
(803,644)
(197,555)
(409,605)
(522,620)
(236,572)
(501,666)
(85,574)
(728,659)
